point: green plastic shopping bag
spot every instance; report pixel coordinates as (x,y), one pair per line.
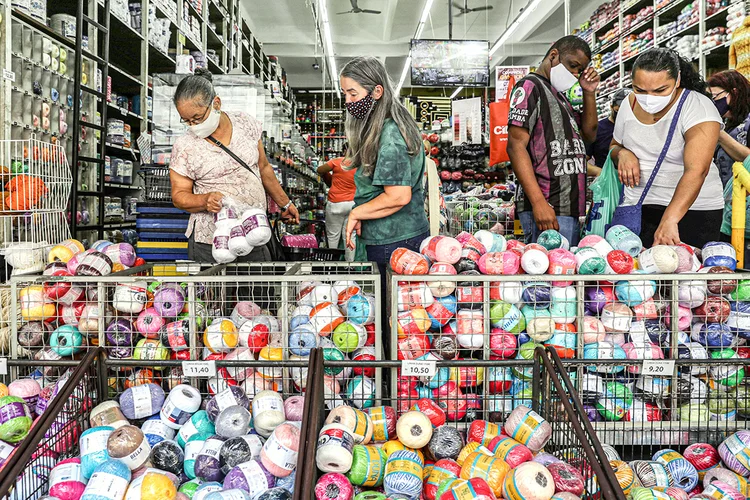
(606,191)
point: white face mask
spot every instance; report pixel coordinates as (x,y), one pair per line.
(561,78)
(207,126)
(652,104)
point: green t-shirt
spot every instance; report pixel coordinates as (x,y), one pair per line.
(394,167)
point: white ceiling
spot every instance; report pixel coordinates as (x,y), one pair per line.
(287,30)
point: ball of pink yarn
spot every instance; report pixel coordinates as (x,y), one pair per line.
(684,318)
(27,389)
(641,351)
(720,489)
(333,485)
(593,330)
(725,476)
(279,453)
(561,262)
(66,480)
(506,263)
(293,408)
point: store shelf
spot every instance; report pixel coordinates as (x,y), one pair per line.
(159,62)
(114,185)
(718,17)
(605,48)
(193,10)
(121,148)
(119,225)
(609,70)
(646,23)
(634,6)
(123,112)
(606,94)
(607,24)
(683,31)
(39,65)
(718,49)
(190,41)
(43,28)
(121,30)
(640,51)
(667,9)
(213,66)
(214,37)
(123,82)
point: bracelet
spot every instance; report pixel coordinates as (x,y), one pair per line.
(286,207)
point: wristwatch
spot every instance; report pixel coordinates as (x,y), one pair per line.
(286,207)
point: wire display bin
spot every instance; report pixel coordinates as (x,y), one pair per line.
(474,214)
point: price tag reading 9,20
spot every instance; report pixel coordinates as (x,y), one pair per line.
(199,369)
(658,367)
(421,368)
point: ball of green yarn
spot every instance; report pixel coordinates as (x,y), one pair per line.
(640,493)
(500,310)
(551,239)
(525,351)
(370,495)
(592,265)
(189,487)
(615,402)
(741,396)
(694,413)
(368,466)
(15,419)
(742,292)
(333,354)
(729,375)
(445,485)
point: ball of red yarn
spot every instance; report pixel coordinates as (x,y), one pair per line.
(443,469)
(405,261)
(333,485)
(703,456)
(620,262)
(475,487)
(713,310)
(482,431)
(567,478)
(510,450)
(432,411)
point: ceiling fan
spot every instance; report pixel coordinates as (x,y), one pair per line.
(466,10)
(357,10)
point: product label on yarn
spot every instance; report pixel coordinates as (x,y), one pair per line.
(438,475)
(107,486)
(379,424)
(211,448)
(281,455)
(66,472)
(221,242)
(374,467)
(236,232)
(268,403)
(504,446)
(171,413)
(94,442)
(336,437)
(156,427)
(254,476)
(361,424)
(667,457)
(324,318)
(142,406)
(254,444)
(137,457)
(714,491)
(177,335)
(404,466)
(481,465)
(411,347)
(187,431)
(225,399)
(11,411)
(192,448)
(527,426)
(737,448)
(616,322)
(465,491)
(254,222)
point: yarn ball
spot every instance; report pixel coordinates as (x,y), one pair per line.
(615,401)
(383,420)
(551,239)
(403,472)
(717,253)
(567,478)
(232,422)
(207,465)
(279,453)
(293,408)
(128,445)
(231,396)
(113,473)
(509,450)
(619,262)
(703,456)
(616,317)
(142,401)
(534,261)
(446,442)
(250,476)
(15,419)
(561,262)
(333,486)
(442,470)
(659,259)
(414,429)
(684,473)
(726,476)
(368,466)
(405,261)
(168,456)
(237,450)
(529,481)
(66,481)
(604,350)
(632,293)
(734,451)
(528,428)
(652,474)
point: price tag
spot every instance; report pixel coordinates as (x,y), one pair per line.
(203,369)
(181,38)
(658,367)
(9,75)
(418,368)
(3,366)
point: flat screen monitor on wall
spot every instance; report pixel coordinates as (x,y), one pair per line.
(450,63)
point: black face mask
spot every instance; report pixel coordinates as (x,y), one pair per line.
(722,105)
(361,108)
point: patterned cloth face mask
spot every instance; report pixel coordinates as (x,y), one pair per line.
(361,108)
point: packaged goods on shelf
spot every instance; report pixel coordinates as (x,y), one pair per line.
(687,46)
(714,38)
(609,85)
(604,13)
(735,16)
(603,62)
(633,20)
(635,44)
(160,30)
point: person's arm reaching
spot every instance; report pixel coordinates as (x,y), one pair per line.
(391,201)
(184,198)
(544,214)
(734,149)
(589,81)
(700,142)
(273,188)
(325,171)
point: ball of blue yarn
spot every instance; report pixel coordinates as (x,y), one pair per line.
(684,473)
(403,481)
(101,474)
(302,340)
(93,446)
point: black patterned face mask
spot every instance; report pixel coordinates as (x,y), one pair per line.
(359,109)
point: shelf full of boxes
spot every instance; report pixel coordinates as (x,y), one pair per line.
(159,36)
(619,30)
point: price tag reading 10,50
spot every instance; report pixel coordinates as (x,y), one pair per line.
(421,368)
(656,367)
(201,369)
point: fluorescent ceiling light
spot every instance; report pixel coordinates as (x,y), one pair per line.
(417,34)
(530,7)
(454,94)
(329,46)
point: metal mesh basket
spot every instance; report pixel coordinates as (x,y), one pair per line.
(158,187)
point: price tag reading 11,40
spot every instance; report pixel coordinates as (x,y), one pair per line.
(658,367)
(202,369)
(421,368)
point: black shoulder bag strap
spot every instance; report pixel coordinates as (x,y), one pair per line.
(275,248)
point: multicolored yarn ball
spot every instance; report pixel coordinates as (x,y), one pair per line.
(528,428)
(333,485)
(684,473)
(734,452)
(15,419)
(703,456)
(652,474)
(403,474)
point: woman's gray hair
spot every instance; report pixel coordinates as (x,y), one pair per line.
(196,87)
(364,135)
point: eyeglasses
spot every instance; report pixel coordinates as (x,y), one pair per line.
(718,96)
(192,122)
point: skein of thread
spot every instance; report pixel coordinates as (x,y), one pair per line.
(659,259)
(333,485)
(446,442)
(268,412)
(207,463)
(108,413)
(528,428)
(403,473)
(168,456)
(683,472)
(476,488)
(128,445)
(414,429)
(355,420)
(738,444)
(491,469)
(368,466)
(231,396)
(535,261)
(293,408)
(624,474)
(108,482)
(651,474)
(238,450)
(279,453)
(703,456)
(198,422)
(510,450)
(528,481)
(443,470)
(733,479)
(27,389)
(250,476)
(233,422)
(180,405)
(15,419)
(335,446)
(142,401)
(66,481)
(383,420)
(93,447)
(567,478)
